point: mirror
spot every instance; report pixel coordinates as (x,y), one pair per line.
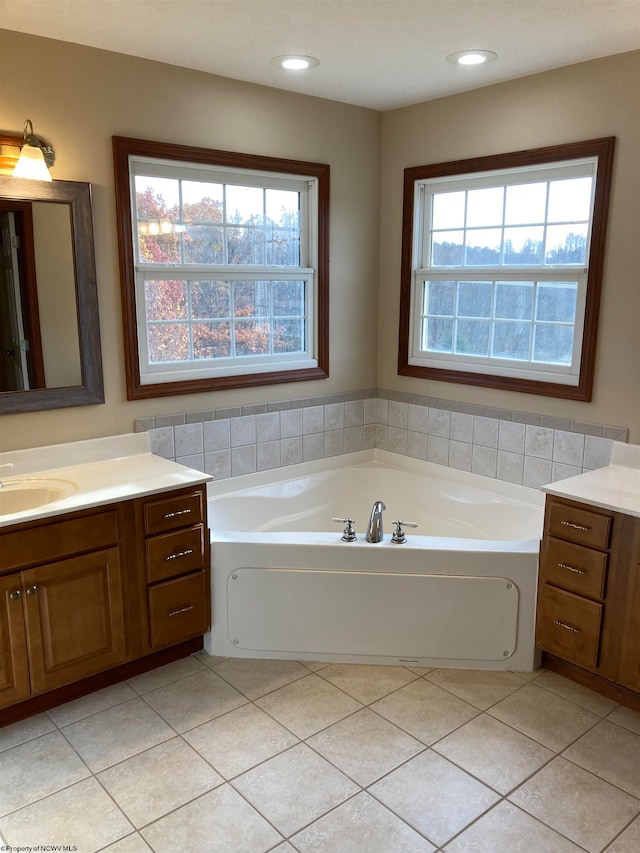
(50,353)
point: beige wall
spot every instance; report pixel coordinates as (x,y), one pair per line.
(586,101)
(78,98)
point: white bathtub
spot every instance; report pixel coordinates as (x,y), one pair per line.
(459,593)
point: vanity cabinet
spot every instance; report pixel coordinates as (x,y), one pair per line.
(588,615)
(63,603)
(631,650)
(101,592)
(176,560)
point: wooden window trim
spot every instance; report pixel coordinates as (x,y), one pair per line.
(603,149)
(123,148)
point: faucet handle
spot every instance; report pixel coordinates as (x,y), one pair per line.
(349,534)
(398,537)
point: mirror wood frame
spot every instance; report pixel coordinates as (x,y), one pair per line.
(77,195)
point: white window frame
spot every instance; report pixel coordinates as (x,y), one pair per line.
(572,381)
(538,273)
(151,373)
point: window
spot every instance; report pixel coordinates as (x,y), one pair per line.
(225,268)
(501,269)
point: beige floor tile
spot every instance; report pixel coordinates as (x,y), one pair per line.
(506,829)
(25,730)
(156,781)
(624,717)
(361,825)
(425,711)
(577,804)
(37,768)
(166,674)
(611,752)
(295,788)
(194,700)
(209,660)
(435,797)
(481,688)
(418,670)
(589,699)
(131,844)
(314,665)
(495,753)
(367,683)
(548,718)
(285,847)
(85,706)
(117,733)
(255,678)
(239,740)
(218,822)
(365,746)
(532,676)
(629,841)
(308,705)
(82,816)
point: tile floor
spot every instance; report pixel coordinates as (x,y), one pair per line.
(244,756)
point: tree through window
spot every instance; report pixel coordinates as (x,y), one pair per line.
(228,267)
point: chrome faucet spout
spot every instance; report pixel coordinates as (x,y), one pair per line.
(374,530)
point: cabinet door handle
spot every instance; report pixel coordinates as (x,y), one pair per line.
(31,590)
(15,595)
(575,526)
(177,513)
(571,569)
(182,610)
(179,554)
(564,625)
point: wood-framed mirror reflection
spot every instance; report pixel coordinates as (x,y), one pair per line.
(49,326)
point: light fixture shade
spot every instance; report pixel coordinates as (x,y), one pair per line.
(31,164)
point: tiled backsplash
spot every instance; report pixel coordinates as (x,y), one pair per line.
(514,446)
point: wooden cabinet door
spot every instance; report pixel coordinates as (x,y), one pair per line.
(14,671)
(75,620)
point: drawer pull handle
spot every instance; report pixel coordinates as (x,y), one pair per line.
(15,595)
(566,627)
(31,590)
(575,526)
(182,512)
(182,610)
(179,554)
(571,569)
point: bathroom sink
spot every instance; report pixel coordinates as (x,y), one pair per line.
(22,494)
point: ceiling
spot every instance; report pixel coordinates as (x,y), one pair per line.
(380,54)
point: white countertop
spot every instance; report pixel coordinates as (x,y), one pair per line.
(100,471)
(616,487)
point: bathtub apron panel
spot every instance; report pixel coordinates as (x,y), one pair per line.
(329,612)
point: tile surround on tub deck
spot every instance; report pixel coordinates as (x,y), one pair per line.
(516,447)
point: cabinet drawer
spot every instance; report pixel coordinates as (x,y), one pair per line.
(181,510)
(579,525)
(575,568)
(178,609)
(176,553)
(569,626)
(47,542)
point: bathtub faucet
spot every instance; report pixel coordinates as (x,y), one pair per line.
(374,530)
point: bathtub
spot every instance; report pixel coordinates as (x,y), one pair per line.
(460,592)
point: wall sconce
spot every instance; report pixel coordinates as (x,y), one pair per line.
(35,156)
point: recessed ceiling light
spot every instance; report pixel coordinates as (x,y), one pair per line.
(472,57)
(295,62)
